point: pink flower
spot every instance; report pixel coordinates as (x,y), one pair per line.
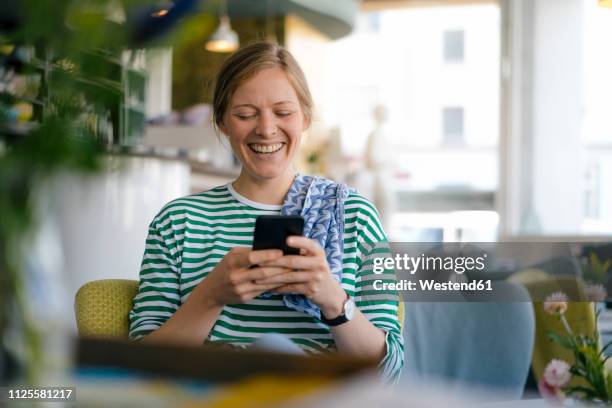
(553,395)
(596,292)
(557,373)
(556,304)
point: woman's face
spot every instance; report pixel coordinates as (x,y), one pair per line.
(264,122)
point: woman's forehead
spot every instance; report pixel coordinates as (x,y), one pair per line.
(270,86)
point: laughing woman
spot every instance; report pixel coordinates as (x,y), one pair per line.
(200,281)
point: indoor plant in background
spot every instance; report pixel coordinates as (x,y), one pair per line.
(32,151)
(589,363)
(60,128)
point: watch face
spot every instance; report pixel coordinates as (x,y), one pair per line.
(349,309)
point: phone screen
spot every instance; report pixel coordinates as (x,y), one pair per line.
(271,232)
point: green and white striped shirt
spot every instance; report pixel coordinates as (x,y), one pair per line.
(190,235)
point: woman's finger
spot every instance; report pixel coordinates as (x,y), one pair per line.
(244,259)
(294,262)
(290,288)
(249,287)
(262,273)
(241,249)
(304,243)
(285,278)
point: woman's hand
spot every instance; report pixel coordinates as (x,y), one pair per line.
(233,279)
(308,274)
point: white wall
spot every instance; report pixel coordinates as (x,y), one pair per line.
(545,172)
(94,227)
(557,93)
(159,84)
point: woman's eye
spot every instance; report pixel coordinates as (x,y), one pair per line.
(283,113)
(244,116)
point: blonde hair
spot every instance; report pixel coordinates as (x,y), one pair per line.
(248,61)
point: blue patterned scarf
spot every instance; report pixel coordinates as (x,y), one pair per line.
(321,203)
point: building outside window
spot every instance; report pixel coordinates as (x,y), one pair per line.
(454,44)
(443,170)
(452,125)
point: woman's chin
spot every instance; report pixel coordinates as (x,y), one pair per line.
(268,172)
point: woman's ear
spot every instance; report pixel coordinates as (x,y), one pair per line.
(305,122)
(222,127)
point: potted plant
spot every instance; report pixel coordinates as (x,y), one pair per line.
(589,365)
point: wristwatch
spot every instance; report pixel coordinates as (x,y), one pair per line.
(348,311)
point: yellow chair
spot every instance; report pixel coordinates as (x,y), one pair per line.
(579,315)
(401,312)
(101,307)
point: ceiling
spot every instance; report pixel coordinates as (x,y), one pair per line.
(334,18)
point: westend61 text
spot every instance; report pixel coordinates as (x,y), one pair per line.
(428,285)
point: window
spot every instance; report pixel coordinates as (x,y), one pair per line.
(453,46)
(560,134)
(368,23)
(432,191)
(374,21)
(452,125)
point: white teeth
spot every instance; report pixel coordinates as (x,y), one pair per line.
(261,148)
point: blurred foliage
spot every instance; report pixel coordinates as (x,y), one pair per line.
(595,269)
(64,34)
(588,365)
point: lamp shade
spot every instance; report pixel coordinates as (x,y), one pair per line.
(162,9)
(224,39)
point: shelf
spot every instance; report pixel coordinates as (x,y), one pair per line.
(18,130)
(137,109)
(466,148)
(14,98)
(137,72)
(34,63)
(443,200)
(103,82)
(99,78)
(98,82)
(38,63)
(107,56)
(210,169)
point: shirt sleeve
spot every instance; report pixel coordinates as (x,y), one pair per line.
(158,294)
(379,306)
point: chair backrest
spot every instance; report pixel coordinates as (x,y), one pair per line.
(101,307)
(401,314)
(471,343)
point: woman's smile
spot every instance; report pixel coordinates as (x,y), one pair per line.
(266,149)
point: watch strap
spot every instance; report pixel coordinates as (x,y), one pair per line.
(336,321)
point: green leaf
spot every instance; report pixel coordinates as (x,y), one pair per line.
(603,350)
(577,371)
(584,391)
(563,341)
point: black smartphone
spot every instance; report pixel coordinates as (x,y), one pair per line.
(271,232)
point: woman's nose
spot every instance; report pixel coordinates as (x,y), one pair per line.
(266,125)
